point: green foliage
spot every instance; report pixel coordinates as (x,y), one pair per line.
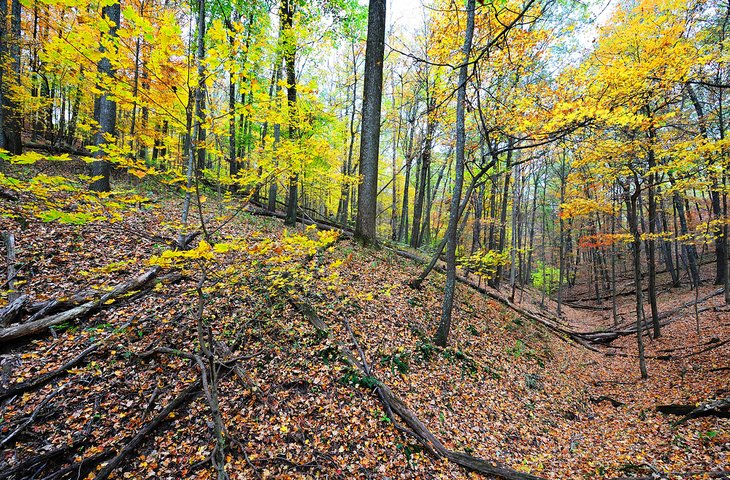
(329,354)
(486,262)
(546,278)
(467,364)
(533,381)
(517,350)
(425,350)
(354,377)
(397,360)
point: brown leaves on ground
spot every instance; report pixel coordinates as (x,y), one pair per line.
(504,389)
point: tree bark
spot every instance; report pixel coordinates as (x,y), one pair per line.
(423,175)
(651,242)
(442,334)
(287,19)
(105,109)
(367,197)
(631,201)
(11,120)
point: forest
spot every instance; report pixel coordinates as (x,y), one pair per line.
(251,239)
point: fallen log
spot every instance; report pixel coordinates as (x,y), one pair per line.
(609,336)
(11,312)
(716,408)
(605,398)
(74,470)
(37,326)
(551,325)
(305,221)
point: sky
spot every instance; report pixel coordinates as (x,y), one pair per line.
(405,13)
(409,15)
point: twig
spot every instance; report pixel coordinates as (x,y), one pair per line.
(9,240)
(186,395)
(218,457)
(45,378)
(150,403)
(33,415)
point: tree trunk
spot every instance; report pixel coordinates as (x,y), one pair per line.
(690,252)
(404,217)
(636,250)
(503,218)
(232,161)
(343,208)
(105,109)
(287,19)
(423,175)
(200,132)
(273,186)
(720,243)
(367,197)
(442,334)
(651,260)
(666,245)
(11,119)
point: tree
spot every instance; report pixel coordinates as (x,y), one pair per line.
(105,108)
(10,114)
(367,197)
(286,17)
(442,333)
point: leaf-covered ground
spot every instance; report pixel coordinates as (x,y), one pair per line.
(505,389)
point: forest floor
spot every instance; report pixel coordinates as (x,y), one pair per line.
(506,389)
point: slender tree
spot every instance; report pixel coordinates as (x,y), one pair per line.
(442,333)
(286,16)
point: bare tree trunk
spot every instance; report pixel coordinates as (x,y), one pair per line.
(273,186)
(651,242)
(404,217)
(105,109)
(515,234)
(561,241)
(636,248)
(531,235)
(232,160)
(503,218)
(135,93)
(200,132)
(442,334)
(367,197)
(11,119)
(287,19)
(423,175)
(690,252)
(193,124)
(614,306)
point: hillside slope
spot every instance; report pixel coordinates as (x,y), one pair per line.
(504,390)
